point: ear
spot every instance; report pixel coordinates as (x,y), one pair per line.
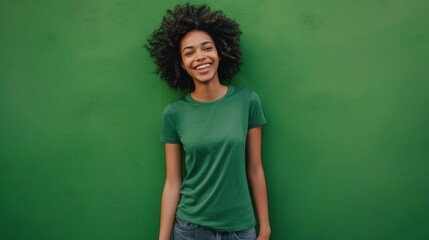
(181,64)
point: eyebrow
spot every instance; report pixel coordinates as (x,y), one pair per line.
(204,43)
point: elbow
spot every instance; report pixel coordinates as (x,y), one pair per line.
(255,172)
(173,185)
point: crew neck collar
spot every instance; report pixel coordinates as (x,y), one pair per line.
(190,99)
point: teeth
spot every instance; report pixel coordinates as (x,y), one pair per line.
(202,66)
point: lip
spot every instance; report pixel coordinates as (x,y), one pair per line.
(203,70)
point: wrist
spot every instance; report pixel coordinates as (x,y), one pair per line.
(265,231)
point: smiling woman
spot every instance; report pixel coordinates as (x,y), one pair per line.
(218,127)
(165,42)
(199,57)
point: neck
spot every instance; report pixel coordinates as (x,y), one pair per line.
(208,92)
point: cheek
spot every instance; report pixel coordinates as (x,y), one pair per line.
(184,64)
(186,61)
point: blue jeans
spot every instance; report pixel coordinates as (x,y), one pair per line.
(184,230)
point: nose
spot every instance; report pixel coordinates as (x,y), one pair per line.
(200,55)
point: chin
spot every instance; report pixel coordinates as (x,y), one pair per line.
(204,79)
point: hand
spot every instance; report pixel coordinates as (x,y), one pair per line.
(264,236)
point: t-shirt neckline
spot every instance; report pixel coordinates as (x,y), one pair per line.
(189,97)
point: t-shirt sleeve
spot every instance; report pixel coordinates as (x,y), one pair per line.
(168,130)
(256,114)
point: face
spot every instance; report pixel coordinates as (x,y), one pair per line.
(199,56)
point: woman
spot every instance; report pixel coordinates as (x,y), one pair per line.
(216,125)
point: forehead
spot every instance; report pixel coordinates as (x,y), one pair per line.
(195,38)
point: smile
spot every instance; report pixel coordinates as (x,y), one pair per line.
(203,66)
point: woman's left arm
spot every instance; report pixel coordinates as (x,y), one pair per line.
(256,176)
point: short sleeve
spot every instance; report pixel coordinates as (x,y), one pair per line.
(256,114)
(168,130)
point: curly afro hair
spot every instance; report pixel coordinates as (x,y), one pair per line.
(164,43)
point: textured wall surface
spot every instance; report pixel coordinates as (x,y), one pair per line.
(344,85)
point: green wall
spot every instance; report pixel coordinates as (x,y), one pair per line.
(344,85)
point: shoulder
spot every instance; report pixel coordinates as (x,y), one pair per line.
(174,106)
(177,103)
(246,93)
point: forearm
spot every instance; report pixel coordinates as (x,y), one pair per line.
(259,193)
(171,192)
(169,202)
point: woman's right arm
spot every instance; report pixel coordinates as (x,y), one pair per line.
(171,192)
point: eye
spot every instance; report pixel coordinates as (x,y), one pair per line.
(208,48)
(188,53)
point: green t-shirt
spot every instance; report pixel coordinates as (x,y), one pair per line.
(214,191)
